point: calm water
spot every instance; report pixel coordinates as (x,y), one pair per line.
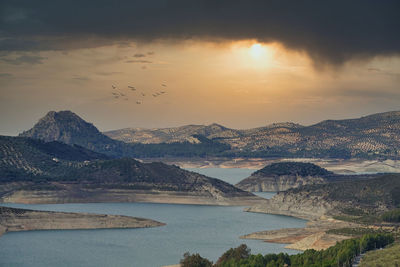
(208,230)
(229,175)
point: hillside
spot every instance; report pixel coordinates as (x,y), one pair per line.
(283,176)
(29,172)
(373,136)
(23,158)
(365,199)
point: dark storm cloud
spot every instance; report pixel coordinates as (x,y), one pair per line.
(24,59)
(329,31)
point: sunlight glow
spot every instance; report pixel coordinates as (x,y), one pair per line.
(257,51)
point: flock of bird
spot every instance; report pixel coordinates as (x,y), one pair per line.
(117,94)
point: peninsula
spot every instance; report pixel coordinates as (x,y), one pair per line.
(13,220)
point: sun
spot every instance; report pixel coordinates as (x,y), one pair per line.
(257,51)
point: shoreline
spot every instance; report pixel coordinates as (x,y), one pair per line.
(16,219)
(129,196)
(312,236)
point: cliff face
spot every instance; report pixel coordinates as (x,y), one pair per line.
(301,205)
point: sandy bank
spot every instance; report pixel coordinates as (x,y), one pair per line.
(12,220)
(313,236)
(116,195)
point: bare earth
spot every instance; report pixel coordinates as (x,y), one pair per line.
(120,195)
(313,236)
(12,220)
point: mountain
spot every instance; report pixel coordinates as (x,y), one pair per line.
(373,136)
(38,172)
(69,128)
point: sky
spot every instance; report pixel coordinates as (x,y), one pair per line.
(242,64)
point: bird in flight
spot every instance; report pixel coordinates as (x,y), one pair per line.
(143,94)
(138,102)
(113,86)
(132,88)
(164,85)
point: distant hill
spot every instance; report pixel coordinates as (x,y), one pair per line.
(373,136)
(33,170)
(172,135)
(293,168)
(282,176)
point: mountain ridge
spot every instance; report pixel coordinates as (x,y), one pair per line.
(372,136)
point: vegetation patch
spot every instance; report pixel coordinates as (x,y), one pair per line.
(390,256)
(357,232)
(391,216)
(342,254)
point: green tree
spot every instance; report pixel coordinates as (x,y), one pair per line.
(194,260)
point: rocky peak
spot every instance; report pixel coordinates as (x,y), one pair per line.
(66,127)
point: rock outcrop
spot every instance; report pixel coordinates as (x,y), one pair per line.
(302,205)
(69,128)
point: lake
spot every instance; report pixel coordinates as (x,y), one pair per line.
(208,230)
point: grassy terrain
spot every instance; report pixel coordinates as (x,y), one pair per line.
(357,232)
(388,257)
